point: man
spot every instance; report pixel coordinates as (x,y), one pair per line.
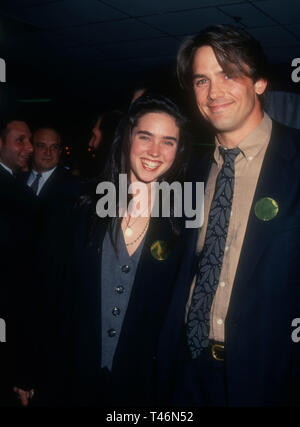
(18,228)
(236,348)
(52,183)
(99,145)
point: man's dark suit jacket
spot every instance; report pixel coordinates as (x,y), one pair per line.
(262,363)
(19,221)
(72,291)
(61,188)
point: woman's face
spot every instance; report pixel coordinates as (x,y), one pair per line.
(154,142)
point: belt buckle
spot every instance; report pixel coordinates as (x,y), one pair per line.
(215,348)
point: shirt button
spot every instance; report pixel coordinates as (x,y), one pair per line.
(250,158)
(119,289)
(116,311)
(222,284)
(111,332)
(226,248)
(125,268)
(219,321)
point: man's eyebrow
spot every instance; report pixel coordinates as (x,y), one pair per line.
(198,76)
(201,76)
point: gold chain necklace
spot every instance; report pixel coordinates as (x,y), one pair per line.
(135,240)
(128,229)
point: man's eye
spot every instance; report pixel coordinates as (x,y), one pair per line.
(227,77)
(200,82)
(144,137)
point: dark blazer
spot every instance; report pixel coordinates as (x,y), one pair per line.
(262,361)
(19,225)
(72,290)
(61,188)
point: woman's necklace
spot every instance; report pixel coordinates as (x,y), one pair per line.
(128,229)
(140,235)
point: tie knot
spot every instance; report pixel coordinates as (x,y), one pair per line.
(229,154)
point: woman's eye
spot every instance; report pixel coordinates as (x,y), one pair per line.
(169,143)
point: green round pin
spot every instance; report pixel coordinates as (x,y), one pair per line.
(160,250)
(266,208)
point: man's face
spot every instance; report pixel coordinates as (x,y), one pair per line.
(47,150)
(229,103)
(96,136)
(16,149)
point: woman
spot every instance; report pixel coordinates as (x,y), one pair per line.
(113,276)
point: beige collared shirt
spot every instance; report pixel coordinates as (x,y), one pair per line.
(247,169)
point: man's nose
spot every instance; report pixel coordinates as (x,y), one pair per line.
(48,151)
(215,90)
(28,146)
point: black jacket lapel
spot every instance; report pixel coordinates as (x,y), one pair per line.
(276,182)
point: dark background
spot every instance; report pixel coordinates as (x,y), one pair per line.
(87,55)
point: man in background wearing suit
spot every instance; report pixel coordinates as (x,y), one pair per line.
(235,344)
(18,231)
(53,184)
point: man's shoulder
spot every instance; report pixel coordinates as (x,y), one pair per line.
(65,173)
(286,134)
(64,176)
(285,147)
(63,182)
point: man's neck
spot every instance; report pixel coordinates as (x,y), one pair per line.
(233,138)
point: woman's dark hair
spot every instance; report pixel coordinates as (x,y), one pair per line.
(236,51)
(119,157)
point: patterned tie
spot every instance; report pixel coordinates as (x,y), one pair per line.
(212,254)
(35,185)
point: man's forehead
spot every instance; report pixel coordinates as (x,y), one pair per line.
(206,59)
(18,126)
(48,136)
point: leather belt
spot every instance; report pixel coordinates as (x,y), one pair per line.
(217,350)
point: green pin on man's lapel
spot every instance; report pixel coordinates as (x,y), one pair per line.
(266,209)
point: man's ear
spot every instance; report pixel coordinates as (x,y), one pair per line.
(260,86)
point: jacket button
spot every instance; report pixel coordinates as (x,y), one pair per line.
(116,311)
(111,332)
(125,268)
(119,289)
